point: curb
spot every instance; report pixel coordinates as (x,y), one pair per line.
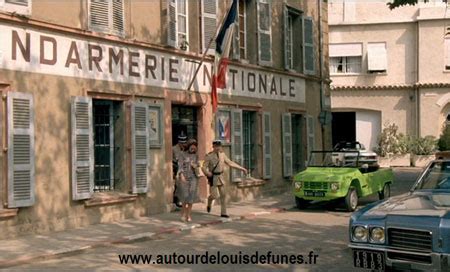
(140,237)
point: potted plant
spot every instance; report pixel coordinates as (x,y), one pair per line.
(393,147)
(422,150)
(444,144)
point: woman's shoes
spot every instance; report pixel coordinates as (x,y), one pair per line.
(189,219)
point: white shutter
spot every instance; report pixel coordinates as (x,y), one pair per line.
(107,16)
(21,161)
(82,148)
(267,145)
(264,17)
(99,15)
(172,28)
(139,147)
(286,33)
(310,127)
(308,46)
(287,144)
(208,24)
(117,17)
(376,57)
(237,143)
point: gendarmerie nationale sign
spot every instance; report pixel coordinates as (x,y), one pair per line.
(69,55)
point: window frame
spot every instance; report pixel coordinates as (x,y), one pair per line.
(447,53)
(345,65)
(186,17)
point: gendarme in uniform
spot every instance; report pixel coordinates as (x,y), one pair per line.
(215,164)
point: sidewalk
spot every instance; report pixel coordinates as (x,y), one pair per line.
(31,248)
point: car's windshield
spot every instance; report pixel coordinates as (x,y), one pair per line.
(437,177)
(333,159)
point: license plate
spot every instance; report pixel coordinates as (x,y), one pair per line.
(373,260)
(311,193)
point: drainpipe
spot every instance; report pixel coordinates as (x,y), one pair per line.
(322,106)
(416,85)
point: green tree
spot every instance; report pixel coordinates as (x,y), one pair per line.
(397,3)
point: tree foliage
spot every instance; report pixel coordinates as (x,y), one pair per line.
(397,3)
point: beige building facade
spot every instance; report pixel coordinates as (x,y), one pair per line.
(389,67)
(95,96)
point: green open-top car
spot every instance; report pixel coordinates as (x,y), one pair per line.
(332,175)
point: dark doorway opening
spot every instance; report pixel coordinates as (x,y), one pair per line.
(344,127)
(184,120)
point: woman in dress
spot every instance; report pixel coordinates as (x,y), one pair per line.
(188,180)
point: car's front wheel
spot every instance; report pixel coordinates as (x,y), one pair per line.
(351,200)
(386,193)
(301,203)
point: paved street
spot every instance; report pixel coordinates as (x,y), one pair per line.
(317,229)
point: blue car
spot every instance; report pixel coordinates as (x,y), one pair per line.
(409,232)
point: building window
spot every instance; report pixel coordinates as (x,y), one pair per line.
(447,52)
(345,65)
(345,58)
(249,138)
(17,6)
(107,16)
(240,32)
(376,57)
(447,120)
(178,21)
(106,125)
(293,43)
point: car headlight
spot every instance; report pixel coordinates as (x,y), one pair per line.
(360,234)
(334,186)
(377,235)
(297,185)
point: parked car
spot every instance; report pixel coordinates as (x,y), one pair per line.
(408,232)
(331,176)
(365,156)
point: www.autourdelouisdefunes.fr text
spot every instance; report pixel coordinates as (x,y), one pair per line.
(220,258)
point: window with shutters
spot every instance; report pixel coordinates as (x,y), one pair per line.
(293,49)
(376,57)
(308,46)
(208,11)
(264,14)
(447,52)
(178,22)
(239,46)
(16,6)
(249,138)
(107,16)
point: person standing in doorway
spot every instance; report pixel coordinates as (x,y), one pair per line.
(177,151)
(188,180)
(213,168)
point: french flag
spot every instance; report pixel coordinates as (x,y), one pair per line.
(223,45)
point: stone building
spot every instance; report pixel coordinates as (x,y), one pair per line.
(389,67)
(95,95)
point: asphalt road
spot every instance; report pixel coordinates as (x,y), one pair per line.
(319,229)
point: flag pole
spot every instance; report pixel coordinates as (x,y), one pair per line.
(207,48)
